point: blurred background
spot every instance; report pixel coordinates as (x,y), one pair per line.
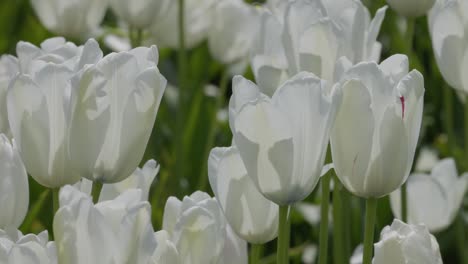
(205,125)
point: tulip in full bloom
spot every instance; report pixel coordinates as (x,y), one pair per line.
(197,231)
(377,127)
(252,216)
(17,248)
(282,140)
(433,199)
(116,231)
(114,108)
(38,104)
(139,14)
(401,243)
(448,28)
(411,8)
(71,18)
(14,190)
(8,70)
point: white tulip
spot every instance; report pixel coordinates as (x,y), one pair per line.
(234,27)
(14,190)
(427,159)
(448,27)
(38,104)
(401,243)
(114,108)
(117,231)
(166,251)
(26,249)
(310,35)
(198,18)
(377,127)
(282,140)
(433,199)
(411,8)
(252,216)
(8,70)
(71,18)
(198,229)
(140,13)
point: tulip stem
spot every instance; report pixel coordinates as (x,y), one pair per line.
(283,235)
(55,199)
(255,253)
(409,36)
(323,242)
(34,211)
(448,105)
(466,130)
(136,36)
(371,211)
(404,203)
(338,224)
(460,228)
(96,191)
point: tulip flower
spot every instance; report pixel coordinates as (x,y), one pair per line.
(166,251)
(411,8)
(401,243)
(18,248)
(197,228)
(311,36)
(114,108)
(282,140)
(252,216)
(115,231)
(8,70)
(377,127)
(138,14)
(198,18)
(433,199)
(448,28)
(14,190)
(38,101)
(71,18)
(233,30)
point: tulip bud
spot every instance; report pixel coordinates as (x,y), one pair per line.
(401,243)
(114,107)
(138,14)
(71,18)
(14,190)
(8,70)
(252,216)
(434,199)
(18,248)
(411,8)
(377,127)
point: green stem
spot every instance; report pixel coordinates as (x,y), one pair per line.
(323,242)
(255,253)
(96,191)
(371,211)
(34,211)
(338,230)
(135,36)
(448,105)
(461,240)
(466,129)
(283,235)
(182,75)
(55,199)
(404,203)
(409,35)
(213,129)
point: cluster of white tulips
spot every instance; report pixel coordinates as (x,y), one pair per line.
(322,107)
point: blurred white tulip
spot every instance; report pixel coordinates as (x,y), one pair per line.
(77,19)
(8,70)
(114,108)
(14,190)
(234,27)
(448,27)
(434,199)
(116,231)
(17,248)
(310,35)
(282,140)
(38,104)
(139,13)
(401,243)
(198,229)
(198,18)
(427,159)
(411,8)
(377,127)
(166,251)
(252,216)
